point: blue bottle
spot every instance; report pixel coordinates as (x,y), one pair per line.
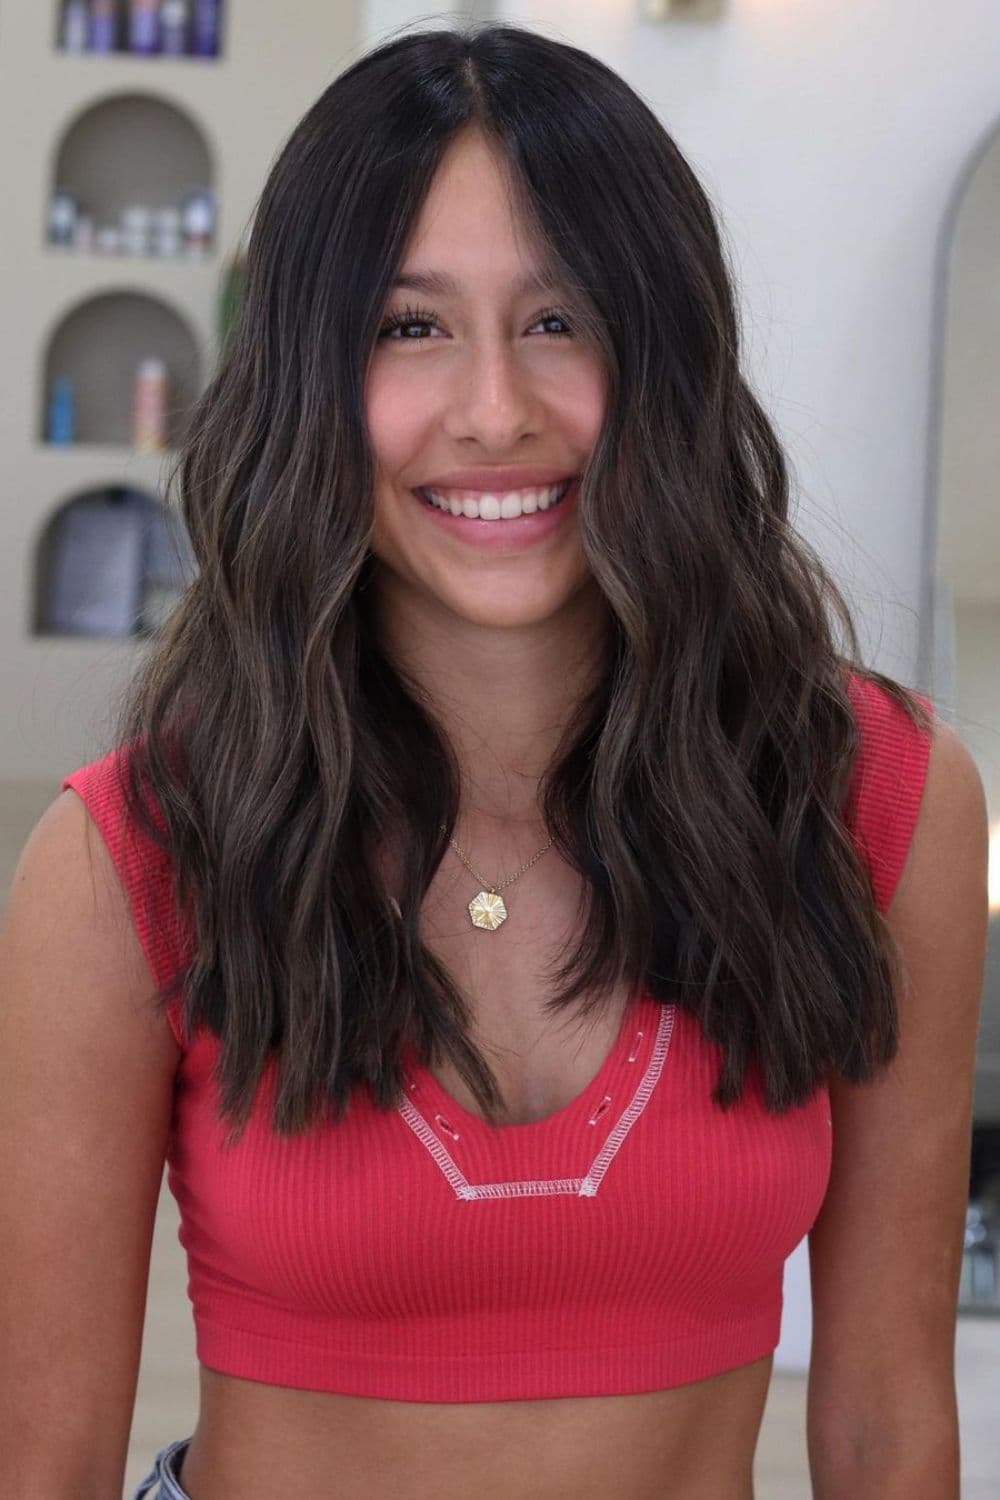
(103,26)
(62,411)
(144,27)
(205,29)
(75,26)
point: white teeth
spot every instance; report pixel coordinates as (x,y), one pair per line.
(499,507)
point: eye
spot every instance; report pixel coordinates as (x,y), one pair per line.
(418,317)
(410,317)
(546,317)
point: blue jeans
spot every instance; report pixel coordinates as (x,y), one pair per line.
(161,1483)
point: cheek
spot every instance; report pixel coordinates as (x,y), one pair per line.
(578,402)
(395,416)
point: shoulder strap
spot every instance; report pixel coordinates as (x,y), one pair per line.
(143,869)
(888,782)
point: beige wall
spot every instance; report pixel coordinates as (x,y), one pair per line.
(55,692)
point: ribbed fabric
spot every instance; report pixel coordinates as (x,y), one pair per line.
(633,1241)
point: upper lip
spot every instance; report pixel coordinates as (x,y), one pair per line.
(496,480)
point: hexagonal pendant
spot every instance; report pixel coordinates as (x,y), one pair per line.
(488,910)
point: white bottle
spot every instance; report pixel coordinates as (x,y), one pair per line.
(167,233)
(76,26)
(175,18)
(135,225)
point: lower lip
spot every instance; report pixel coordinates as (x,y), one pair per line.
(518,532)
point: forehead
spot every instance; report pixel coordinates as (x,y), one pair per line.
(442,284)
(471,228)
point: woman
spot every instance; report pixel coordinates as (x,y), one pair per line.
(487,1179)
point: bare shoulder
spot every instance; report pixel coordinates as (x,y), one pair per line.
(66,906)
(87,1065)
(886,1249)
(953,813)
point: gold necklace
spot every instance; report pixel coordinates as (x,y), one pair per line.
(487,909)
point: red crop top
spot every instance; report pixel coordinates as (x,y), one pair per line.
(632,1241)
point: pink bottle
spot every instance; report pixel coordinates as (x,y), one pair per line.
(149,407)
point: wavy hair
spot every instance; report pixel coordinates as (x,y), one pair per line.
(698,791)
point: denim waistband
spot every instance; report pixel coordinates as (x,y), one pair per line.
(161,1483)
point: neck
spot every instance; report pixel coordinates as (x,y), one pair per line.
(503,696)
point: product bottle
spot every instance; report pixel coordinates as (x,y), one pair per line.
(149,407)
(64,209)
(135,224)
(174,18)
(103,26)
(84,233)
(75,26)
(198,223)
(108,240)
(168,567)
(144,26)
(62,411)
(167,232)
(205,30)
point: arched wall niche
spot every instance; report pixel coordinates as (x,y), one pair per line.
(131,148)
(110,562)
(965,383)
(960,619)
(99,345)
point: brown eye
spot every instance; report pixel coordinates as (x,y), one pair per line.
(410,316)
(418,317)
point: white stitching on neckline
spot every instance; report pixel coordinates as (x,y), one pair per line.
(582,1187)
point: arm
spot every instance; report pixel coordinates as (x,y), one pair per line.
(886,1250)
(86,1084)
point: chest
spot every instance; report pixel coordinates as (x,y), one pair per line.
(539,1070)
(422,1245)
(542,1061)
(621,1233)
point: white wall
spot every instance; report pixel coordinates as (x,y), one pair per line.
(977,696)
(829,136)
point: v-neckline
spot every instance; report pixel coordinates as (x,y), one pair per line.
(425,1091)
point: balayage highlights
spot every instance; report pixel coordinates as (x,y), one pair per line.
(699,789)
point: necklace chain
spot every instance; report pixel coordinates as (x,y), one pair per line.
(487,909)
(495,889)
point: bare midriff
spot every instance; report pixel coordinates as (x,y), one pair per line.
(262,1442)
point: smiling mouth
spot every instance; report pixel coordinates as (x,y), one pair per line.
(562,491)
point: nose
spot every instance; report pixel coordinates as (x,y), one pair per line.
(493,400)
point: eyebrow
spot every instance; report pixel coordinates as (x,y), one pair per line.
(440,284)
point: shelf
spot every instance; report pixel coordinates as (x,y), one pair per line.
(73,274)
(91,464)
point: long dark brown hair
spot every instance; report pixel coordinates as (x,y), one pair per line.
(698,791)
